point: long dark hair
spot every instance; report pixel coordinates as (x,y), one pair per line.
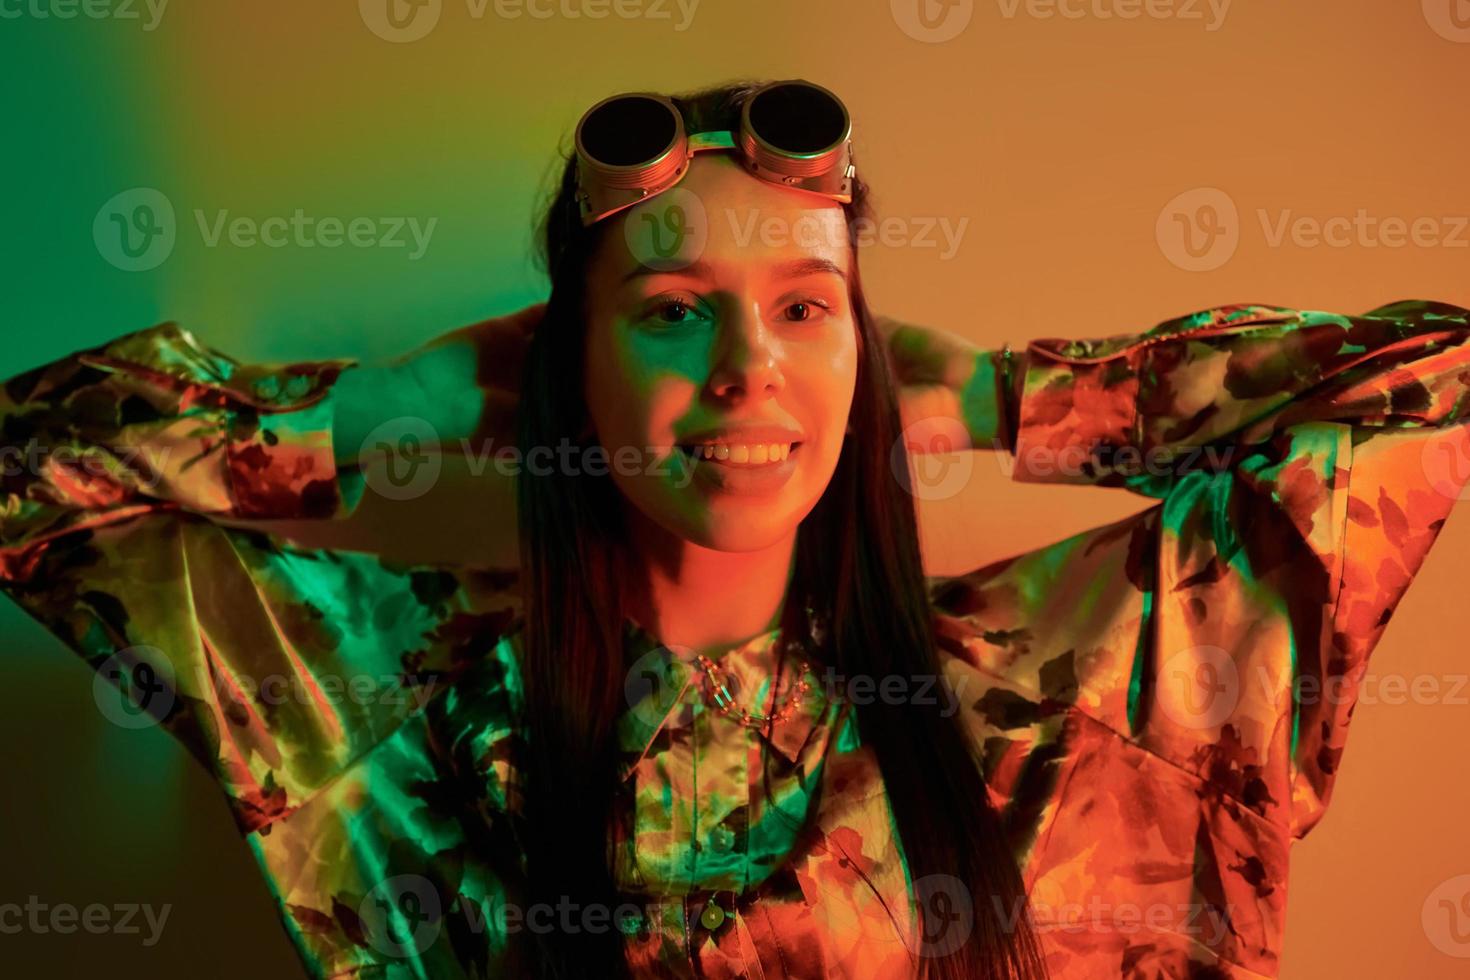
(857,560)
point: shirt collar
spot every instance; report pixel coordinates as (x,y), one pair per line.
(664,690)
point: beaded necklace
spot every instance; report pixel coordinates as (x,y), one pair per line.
(718,694)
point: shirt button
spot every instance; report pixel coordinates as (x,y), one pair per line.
(712,916)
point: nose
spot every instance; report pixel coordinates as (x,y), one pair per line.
(746,361)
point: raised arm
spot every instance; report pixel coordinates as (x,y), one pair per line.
(1197,663)
(1136,410)
(464,384)
(308,682)
(156,421)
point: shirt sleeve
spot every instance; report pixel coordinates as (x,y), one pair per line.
(1138,410)
(1345,431)
(309,682)
(1193,668)
(156,421)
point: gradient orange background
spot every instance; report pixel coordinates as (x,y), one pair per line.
(1060,140)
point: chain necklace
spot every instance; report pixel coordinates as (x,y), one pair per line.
(713,914)
(717,689)
(725,703)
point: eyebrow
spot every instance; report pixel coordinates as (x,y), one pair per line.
(790,269)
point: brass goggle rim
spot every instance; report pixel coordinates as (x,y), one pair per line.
(603,189)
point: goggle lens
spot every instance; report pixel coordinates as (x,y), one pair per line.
(798,119)
(628,131)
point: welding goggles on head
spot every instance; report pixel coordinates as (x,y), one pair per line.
(632,146)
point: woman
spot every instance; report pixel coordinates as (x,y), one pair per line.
(718,723)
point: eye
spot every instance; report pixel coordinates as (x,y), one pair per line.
(671,311)
(805,309)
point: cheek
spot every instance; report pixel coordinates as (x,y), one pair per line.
(834,384)
(824,392)
(631,404)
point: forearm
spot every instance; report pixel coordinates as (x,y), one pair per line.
(966,387)
(460,390)
(430,394)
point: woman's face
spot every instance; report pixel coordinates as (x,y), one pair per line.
(722,354)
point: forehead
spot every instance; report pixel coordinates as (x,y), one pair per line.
(729,220)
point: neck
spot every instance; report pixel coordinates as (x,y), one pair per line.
(708,601)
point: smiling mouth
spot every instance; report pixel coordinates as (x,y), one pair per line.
(741,454)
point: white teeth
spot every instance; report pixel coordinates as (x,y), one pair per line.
(753,453)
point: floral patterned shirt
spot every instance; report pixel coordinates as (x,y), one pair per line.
(1160,704)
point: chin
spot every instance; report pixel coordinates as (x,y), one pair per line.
(734,531)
